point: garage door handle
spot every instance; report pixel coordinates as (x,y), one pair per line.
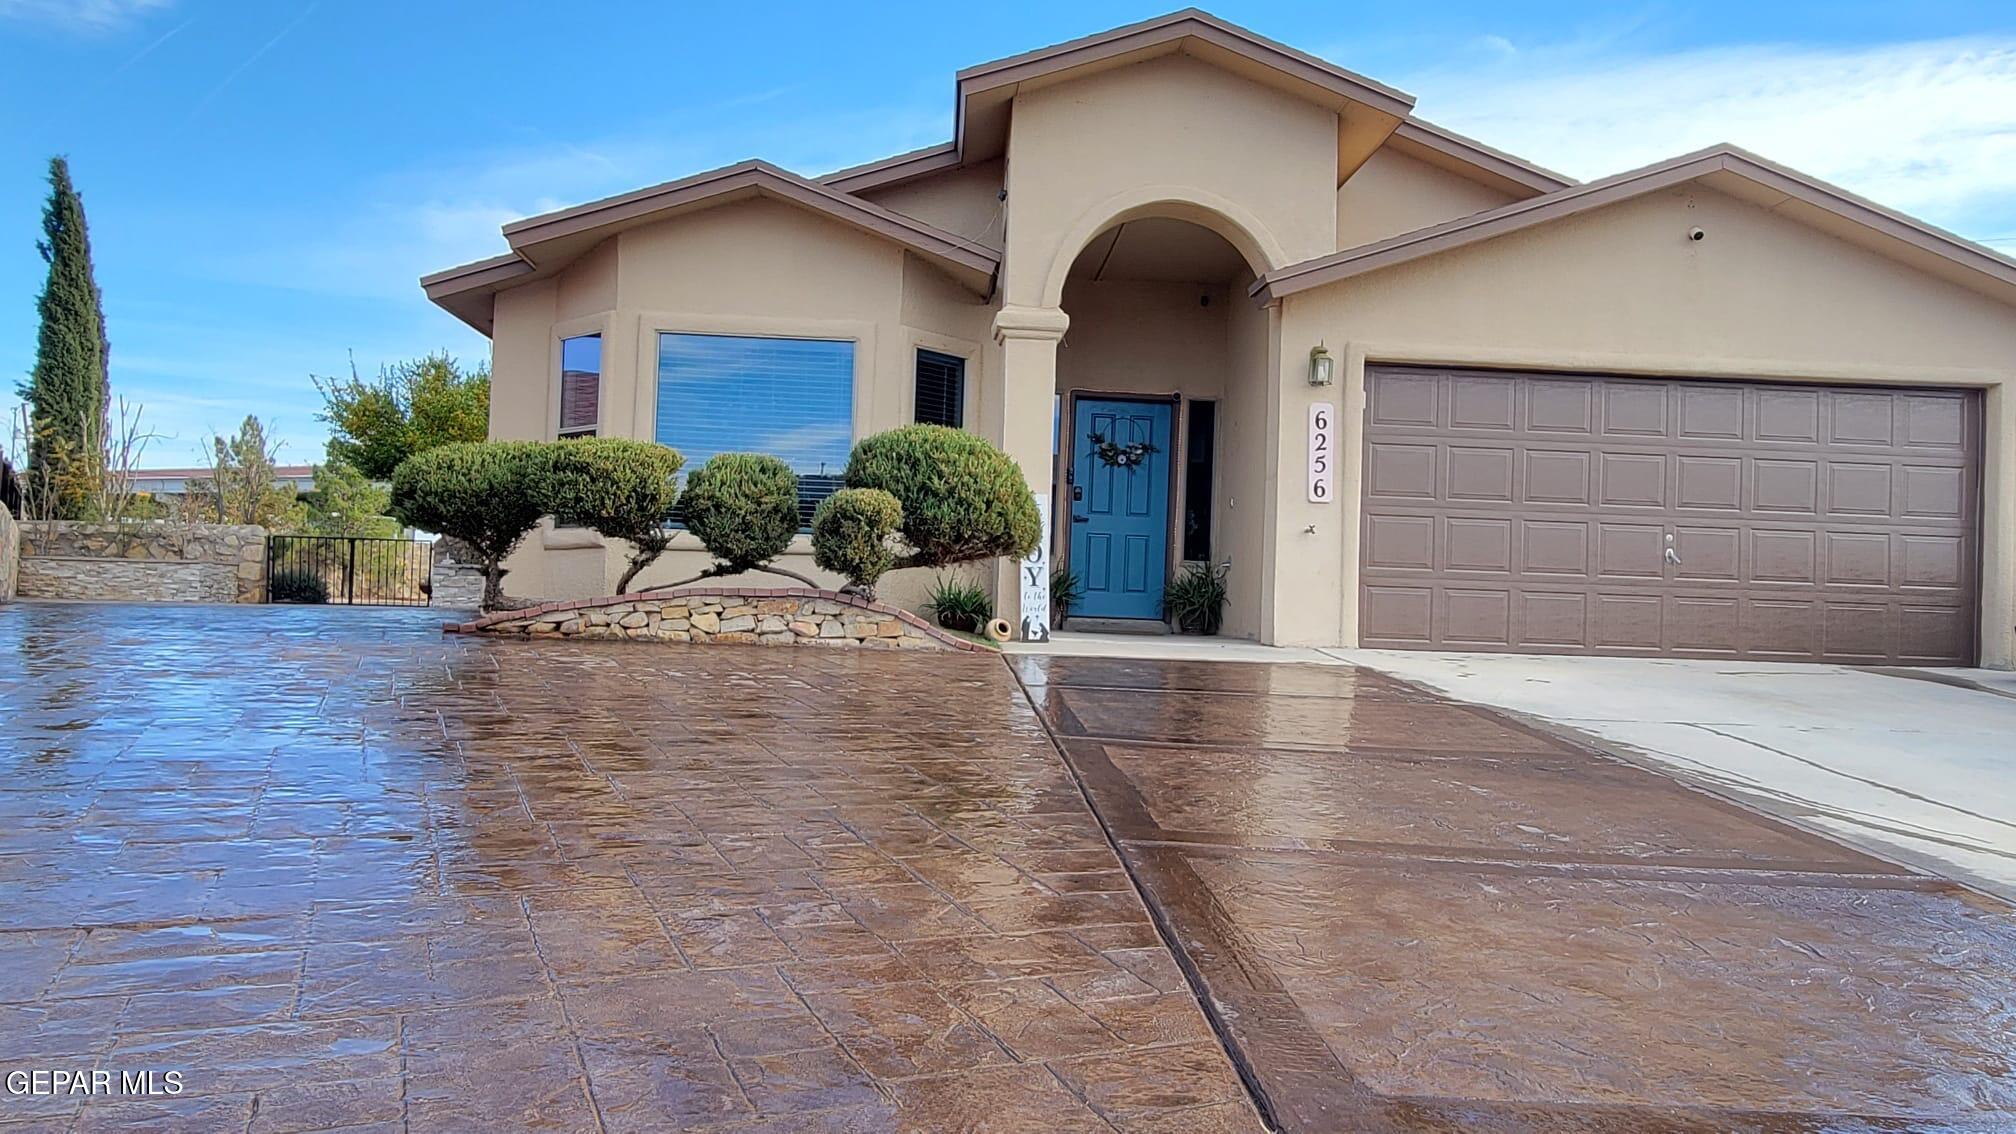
(1673,557)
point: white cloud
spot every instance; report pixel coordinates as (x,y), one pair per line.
(1928,127)
(81,15)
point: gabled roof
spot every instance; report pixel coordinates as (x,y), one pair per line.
(984,92)
(544,244)
(1447,149)
(1722,167)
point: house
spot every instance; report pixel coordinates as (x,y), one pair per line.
(1229,303)
(176,482)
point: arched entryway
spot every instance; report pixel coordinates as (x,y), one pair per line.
(1162,412)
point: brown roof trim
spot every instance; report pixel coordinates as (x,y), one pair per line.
(767,180)
(1521,215)
(893,170)
(1189,23)
(1422,134)
(463,277)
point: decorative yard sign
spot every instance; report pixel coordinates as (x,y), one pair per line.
(1322,453)
(1036,581)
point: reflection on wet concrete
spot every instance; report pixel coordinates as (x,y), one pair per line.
(1415,915)
(344,872)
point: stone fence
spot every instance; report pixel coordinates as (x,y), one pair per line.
(143,562)
(785,616)
(10,553)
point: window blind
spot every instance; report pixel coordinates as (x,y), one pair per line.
(941,389)
(580,385)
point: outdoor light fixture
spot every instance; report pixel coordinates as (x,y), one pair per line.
(1321,366)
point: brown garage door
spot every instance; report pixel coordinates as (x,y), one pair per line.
(1557,513)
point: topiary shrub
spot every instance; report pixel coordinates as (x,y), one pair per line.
(483,493)
(962,498)
(616,487)
(296,585)
(744,508)
(850,535)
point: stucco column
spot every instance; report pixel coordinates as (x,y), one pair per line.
(1022,407)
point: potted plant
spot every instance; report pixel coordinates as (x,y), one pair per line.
(959,605)
(1195,598)
(1065,590)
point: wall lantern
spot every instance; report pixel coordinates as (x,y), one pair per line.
(1322,367)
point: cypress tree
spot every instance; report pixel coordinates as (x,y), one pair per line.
(67,390)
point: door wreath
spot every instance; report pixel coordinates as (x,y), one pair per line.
(1119,456)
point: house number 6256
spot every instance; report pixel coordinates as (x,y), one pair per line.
(1322,453)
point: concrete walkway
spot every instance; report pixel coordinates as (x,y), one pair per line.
(1909,768)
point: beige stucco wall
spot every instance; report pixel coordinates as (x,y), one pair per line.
(1623,290)
(757,267)
(1172,136)
(965,201)
(1393,193)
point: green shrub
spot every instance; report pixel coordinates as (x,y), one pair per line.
(1066,590)
(744,507)
(483,493)
(850,535)
(959,605)
(617,488)
(296,585)
(963,499)
(1196,598)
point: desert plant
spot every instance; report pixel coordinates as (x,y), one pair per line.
(963,499)
(617,488)
(959,605)
(482,493)
(744,508)
(1066,589)
(1196,598)
(296,585)
(850,536)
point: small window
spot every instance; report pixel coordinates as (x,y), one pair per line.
(580,385)
(941,389)
(790,398)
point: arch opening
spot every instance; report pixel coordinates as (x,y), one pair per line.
(1161,403)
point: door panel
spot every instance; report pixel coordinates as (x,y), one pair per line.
(1120,512)
(1697,518)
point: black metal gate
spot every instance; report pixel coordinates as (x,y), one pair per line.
(349,570)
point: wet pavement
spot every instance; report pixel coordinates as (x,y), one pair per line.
(1413,914)
(340,871)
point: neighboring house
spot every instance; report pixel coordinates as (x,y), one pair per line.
(1710,408)
(175,482)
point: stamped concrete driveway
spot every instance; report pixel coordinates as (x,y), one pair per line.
(338,871)
(1414,914)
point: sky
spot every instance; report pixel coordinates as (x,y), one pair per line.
(266,181)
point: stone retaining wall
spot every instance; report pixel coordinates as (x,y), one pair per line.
(143,562)
(10,553)
(796,616)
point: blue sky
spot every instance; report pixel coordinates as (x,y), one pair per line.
(266,180)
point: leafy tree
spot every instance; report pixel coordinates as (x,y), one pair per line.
(850,535)
(344,502)
(66,391)
(483,493)
(618,488)
(412,407)
(744,508)
(242,486)
(963,499)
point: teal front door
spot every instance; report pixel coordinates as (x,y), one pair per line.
(1119,498)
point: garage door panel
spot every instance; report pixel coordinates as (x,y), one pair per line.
(1480,473)
(1632,480)
(1535,512)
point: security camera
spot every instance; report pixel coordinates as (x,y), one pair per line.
(1696,234)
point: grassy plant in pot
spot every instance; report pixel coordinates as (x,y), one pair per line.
(959,605)
(1195,598)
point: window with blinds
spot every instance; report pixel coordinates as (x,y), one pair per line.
(790,398)
(580,385)
(941,389)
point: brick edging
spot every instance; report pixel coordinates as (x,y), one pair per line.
(534,613)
